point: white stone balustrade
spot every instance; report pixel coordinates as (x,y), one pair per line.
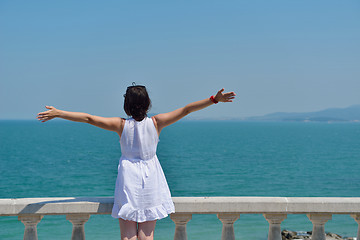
(274,220)
(228,209)
(30,222)
(78,220)
(180,220)
(228,220)
(318,220)
(357,219)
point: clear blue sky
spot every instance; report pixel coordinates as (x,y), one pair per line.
(285,55)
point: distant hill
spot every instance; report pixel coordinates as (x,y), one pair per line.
(349,114)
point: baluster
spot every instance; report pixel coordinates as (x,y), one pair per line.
(78,221)
(228,220)
(180,220)
(275,225)
(318,220)
(357,219)
(30,222)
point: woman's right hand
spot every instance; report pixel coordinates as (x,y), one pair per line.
(48,115)
(224,97)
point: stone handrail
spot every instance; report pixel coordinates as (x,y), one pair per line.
(228,209)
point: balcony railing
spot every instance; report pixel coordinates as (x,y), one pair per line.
(228,209)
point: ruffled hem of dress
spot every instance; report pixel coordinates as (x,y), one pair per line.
(127,212)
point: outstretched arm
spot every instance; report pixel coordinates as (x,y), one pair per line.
(113,124)
(166,119)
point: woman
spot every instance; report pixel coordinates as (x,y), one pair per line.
(142,194)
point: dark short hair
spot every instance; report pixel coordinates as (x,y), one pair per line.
(137,102)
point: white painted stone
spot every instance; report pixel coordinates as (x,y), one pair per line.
(214,205)
(192,205)
(56,206)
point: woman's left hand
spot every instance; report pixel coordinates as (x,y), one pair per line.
(48,115)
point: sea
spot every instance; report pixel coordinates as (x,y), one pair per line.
(200,158)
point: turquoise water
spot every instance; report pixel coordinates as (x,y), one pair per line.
(60,159)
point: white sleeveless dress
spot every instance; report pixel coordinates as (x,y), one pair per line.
(141,191)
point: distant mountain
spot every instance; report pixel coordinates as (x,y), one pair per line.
(349,114)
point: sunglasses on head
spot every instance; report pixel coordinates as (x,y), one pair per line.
(134,85)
